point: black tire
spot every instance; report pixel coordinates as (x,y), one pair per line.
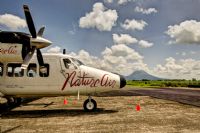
(18,101)
(90,106)
(12,101)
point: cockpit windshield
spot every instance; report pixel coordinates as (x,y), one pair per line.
(77,62)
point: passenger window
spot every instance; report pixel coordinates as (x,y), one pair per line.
(32,70)
(14,70)
(1,69)
(44,70)
(68,64)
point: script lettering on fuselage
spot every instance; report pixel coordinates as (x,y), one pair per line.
(9,50)
(85,80)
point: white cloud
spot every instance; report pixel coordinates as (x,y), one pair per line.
(186,53)
(123,51)
(108,1)
(101,18)
(13,22)
(145,44)
(73,30)
(120,2)
(134,24)
(127,39)
(55,49)
(183,54)
(192,52)
(119,58)
(122,59)
(145,11)
(186,32)
(169,70)
(178,69)
(124,39)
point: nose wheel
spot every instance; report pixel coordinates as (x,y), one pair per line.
(90,105)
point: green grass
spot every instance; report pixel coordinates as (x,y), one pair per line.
(164,83)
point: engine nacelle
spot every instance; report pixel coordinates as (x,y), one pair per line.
(10,52)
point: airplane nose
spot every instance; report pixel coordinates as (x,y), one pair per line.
(122,81)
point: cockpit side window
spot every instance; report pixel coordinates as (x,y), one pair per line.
(1,69)
(14,70)
(32,70)
(67,63)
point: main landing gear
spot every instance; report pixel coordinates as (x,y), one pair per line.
(90,104)
(14,101)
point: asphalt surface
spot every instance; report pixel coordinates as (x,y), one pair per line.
(181,95)
(190,96)
(162,110)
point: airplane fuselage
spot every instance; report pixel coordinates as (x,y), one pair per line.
(62,75)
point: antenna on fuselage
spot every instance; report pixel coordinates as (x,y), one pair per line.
(64,51)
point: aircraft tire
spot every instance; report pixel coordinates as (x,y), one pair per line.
(18,100)
(90,105)
(12,101)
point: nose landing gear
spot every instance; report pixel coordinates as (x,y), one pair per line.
(90,104)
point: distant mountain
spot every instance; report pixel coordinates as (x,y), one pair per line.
(140,75)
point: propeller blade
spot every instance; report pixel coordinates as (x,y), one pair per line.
(29,21)
(28,58)
(40,58)
(41,31)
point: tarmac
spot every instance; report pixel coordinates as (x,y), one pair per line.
(128,110)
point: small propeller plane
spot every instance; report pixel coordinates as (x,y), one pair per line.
(22,74)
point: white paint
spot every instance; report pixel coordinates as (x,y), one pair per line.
(52,85)
(10,52)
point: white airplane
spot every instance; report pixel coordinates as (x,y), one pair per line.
(24,75)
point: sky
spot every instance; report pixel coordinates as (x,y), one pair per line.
(161,37)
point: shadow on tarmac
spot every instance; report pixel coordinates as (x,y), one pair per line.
(5,108)
(52,113)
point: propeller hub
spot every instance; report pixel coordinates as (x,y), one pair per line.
(40,42)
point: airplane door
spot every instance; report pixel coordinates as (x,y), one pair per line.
(72,73)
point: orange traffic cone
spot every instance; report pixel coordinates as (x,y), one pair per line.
(137,107)
(65,101)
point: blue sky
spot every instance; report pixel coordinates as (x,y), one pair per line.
(86,31)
